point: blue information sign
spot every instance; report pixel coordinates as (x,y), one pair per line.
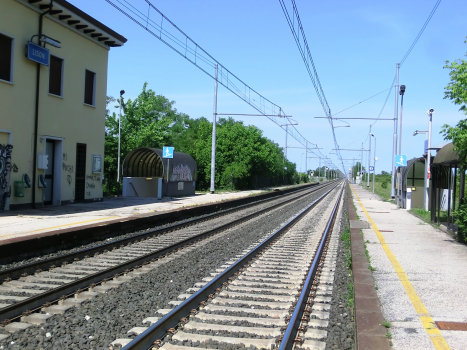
(167,152)
(38,54)
(371,168)
(400,160)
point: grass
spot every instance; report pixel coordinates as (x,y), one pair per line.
(367,254)
(350,296)
(388,335)
(422,213)
(385,193)
(426,216)
(345,237)
(387,324)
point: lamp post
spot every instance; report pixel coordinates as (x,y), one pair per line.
(369,158)
(428,160)
(394,141)
(401,92)
(325,169)
(119,126)
(374,163)
(361,167)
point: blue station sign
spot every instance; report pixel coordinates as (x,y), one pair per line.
(167,152)
(38,54)
(400,160)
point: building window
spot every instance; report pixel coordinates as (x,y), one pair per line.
(89,88)
(6,61)
(56,76)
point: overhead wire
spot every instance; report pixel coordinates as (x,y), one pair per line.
(435,7)
(307,58)
(379,93)
(420,32)
(190,50)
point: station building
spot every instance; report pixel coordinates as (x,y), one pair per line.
(52,114)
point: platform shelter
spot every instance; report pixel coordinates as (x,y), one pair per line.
(410,184)
(448,186)
(147,174)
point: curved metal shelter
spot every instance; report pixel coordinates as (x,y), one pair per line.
(411,177)
(148,162)
(143,165)
(444,172)
(143,162)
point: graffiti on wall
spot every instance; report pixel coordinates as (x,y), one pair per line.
(68,168)
(93,177)
(5,167)
(69,179)
(15,168)
(90,183)
(181,173)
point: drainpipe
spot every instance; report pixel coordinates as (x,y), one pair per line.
(36,115)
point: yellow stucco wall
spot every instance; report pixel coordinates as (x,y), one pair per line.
(67,117)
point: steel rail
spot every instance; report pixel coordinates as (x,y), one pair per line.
(31,268)
(288,339)
(158,330)
(17,309)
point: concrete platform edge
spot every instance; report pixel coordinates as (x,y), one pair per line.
(371,334)
(45,242)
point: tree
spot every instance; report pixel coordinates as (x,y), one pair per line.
(356,169)
(111,150)
(146,122)
(456,90)
(244,157)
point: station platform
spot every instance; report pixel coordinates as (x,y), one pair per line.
(419,275)
(30,222)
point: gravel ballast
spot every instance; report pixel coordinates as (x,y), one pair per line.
(99,321)
(341,329)
(119,236)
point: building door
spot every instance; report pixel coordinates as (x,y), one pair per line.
(49,172)
(80,180)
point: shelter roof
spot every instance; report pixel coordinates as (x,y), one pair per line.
(446,156)
(439,146)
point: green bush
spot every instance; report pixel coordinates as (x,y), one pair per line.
(461,220)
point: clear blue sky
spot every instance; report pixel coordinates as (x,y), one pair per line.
(355,46)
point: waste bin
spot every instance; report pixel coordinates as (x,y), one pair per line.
(19,188)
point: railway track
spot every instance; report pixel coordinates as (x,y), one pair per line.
(27,293)
(276,295)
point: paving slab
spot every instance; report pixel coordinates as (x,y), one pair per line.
(420,274)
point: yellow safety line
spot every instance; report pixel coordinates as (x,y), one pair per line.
(435,335)
(54,227)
